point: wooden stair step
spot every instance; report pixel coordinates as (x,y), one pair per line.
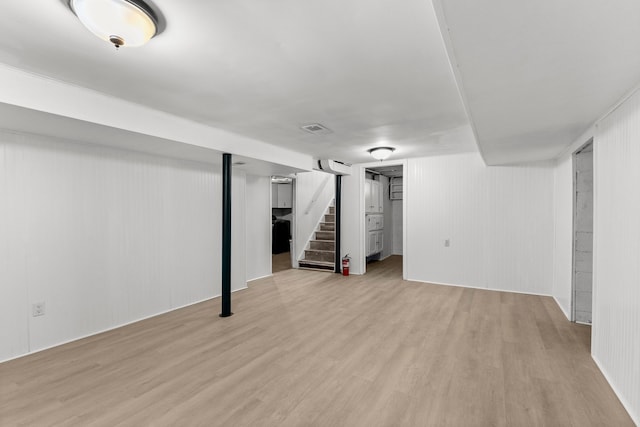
(327,245)
(327,226)
(325,235)
(316,265)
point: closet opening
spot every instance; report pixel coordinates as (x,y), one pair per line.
(383,222)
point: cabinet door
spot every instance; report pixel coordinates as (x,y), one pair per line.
(375,199)
(379,222)
(284,195)
(372,243)
(380,241)
(380,193)
(368,195)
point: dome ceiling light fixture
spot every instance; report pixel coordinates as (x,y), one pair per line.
(381,153)
(127,23)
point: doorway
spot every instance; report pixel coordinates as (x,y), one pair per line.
(282,222)
(582,283)
(383,222)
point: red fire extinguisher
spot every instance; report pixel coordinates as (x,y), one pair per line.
(345,265)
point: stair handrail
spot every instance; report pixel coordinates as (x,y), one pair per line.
(316,195)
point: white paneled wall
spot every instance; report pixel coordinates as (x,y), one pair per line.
(387,247)
(498,222)
(258,220)
(396,224)
(314,191)
(238,232)
(616,287)
(104,237)
(563,235)
(352,231)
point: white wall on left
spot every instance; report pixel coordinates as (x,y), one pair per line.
(103,236)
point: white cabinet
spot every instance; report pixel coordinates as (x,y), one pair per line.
(378,195)
(375,222)
(375,233)
(375,242)
(368,205)
(373,196)
(281,195)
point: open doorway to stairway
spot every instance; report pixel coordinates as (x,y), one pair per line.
(282,222)
(383,196)
(320,254)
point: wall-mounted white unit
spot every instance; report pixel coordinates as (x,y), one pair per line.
(334,167)
(281,195)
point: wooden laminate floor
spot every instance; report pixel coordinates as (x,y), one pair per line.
(280,262)
(310,348)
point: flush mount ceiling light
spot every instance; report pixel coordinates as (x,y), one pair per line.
(381,153)
(121,22)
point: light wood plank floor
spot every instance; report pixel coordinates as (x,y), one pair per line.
(280,262)
(317,349)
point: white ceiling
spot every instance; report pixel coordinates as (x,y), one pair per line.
(372,71)
(533,75)
(536,74)
(25,120)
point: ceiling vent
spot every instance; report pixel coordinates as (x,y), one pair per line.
(316,129)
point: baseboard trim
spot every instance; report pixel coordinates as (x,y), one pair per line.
(634,417)
(120,325)
(479,287)
(259,278)
(567,315)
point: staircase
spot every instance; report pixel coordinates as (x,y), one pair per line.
(320,254)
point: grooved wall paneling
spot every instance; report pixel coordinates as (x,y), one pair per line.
(103,236)
(616,287)
(498,221)
(258,220)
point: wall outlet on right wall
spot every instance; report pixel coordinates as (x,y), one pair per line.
(447,243)
(37,309)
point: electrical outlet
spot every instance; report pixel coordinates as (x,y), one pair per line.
(38,309)
(447,243)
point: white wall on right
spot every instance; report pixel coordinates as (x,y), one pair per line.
(396,227)
(616,282)
(498,222)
